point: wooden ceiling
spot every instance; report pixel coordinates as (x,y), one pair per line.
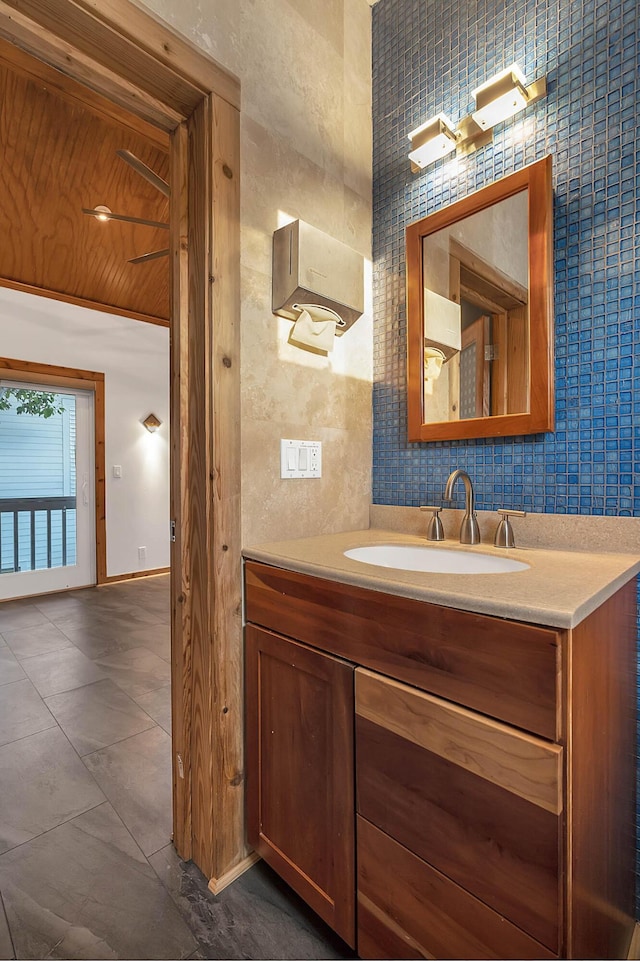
(58,145)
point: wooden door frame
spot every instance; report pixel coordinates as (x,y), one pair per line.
(138,63)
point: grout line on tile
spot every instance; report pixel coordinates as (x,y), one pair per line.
(16,847)
(23,737)
(121,741)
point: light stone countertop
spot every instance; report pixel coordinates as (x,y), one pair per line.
(559,589)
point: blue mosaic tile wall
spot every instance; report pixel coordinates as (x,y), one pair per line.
(428,56)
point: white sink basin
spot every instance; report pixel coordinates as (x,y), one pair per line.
(433,560)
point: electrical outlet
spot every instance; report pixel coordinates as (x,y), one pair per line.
(142,554)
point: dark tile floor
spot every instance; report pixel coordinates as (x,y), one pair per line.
(86,865)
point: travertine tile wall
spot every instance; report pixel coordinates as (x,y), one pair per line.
(305,71)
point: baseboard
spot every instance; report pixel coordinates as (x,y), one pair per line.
(216,885)
(114,578)
(59,590)
(634,947)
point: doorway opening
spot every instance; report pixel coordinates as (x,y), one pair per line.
(140,65)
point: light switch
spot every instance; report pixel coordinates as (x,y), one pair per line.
(117,470)
(300,458)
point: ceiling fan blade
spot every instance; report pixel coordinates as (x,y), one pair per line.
(125,218)
(144,171)
(154,255)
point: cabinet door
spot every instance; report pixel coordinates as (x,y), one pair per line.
(479,801)
(300,797)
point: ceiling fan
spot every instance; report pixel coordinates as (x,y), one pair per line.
(103,213)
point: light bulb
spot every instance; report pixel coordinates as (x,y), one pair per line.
(104,212)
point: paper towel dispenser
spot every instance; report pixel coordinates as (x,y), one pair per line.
(309,266)
(442,324)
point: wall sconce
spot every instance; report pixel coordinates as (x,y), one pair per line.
(152,423)
(500,98)
(496,100)
(434,139)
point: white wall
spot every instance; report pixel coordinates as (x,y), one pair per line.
(134,358)
(305,152)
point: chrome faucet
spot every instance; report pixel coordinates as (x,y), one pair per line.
(469,530)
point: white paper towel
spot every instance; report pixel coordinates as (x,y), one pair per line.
(433,360)
(315,326)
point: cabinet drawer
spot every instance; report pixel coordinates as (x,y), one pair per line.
(479,801)
(407,909)
(505,669)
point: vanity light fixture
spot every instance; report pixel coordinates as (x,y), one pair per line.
(152,423)
(431,141)
(496,100)
(501,97)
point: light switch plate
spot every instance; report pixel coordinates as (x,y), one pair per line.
(300,458)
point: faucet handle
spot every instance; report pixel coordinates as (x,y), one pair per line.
(504,533)
(436,530)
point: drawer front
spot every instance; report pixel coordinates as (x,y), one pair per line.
(502,668)
(407,909)
(479,801)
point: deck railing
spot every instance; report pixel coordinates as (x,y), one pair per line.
(25,512)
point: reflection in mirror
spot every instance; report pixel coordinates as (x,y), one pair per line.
(476,314)
(479,312)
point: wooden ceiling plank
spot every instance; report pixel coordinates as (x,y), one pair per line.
(68,89)
(96,39)
(41,43)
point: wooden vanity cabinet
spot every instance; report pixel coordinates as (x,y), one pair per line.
(494,768)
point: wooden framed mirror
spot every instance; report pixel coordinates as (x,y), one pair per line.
(480,313)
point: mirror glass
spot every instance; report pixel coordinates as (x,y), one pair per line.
(476,350)
(479,313)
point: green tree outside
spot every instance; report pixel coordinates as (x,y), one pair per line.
(38,403)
